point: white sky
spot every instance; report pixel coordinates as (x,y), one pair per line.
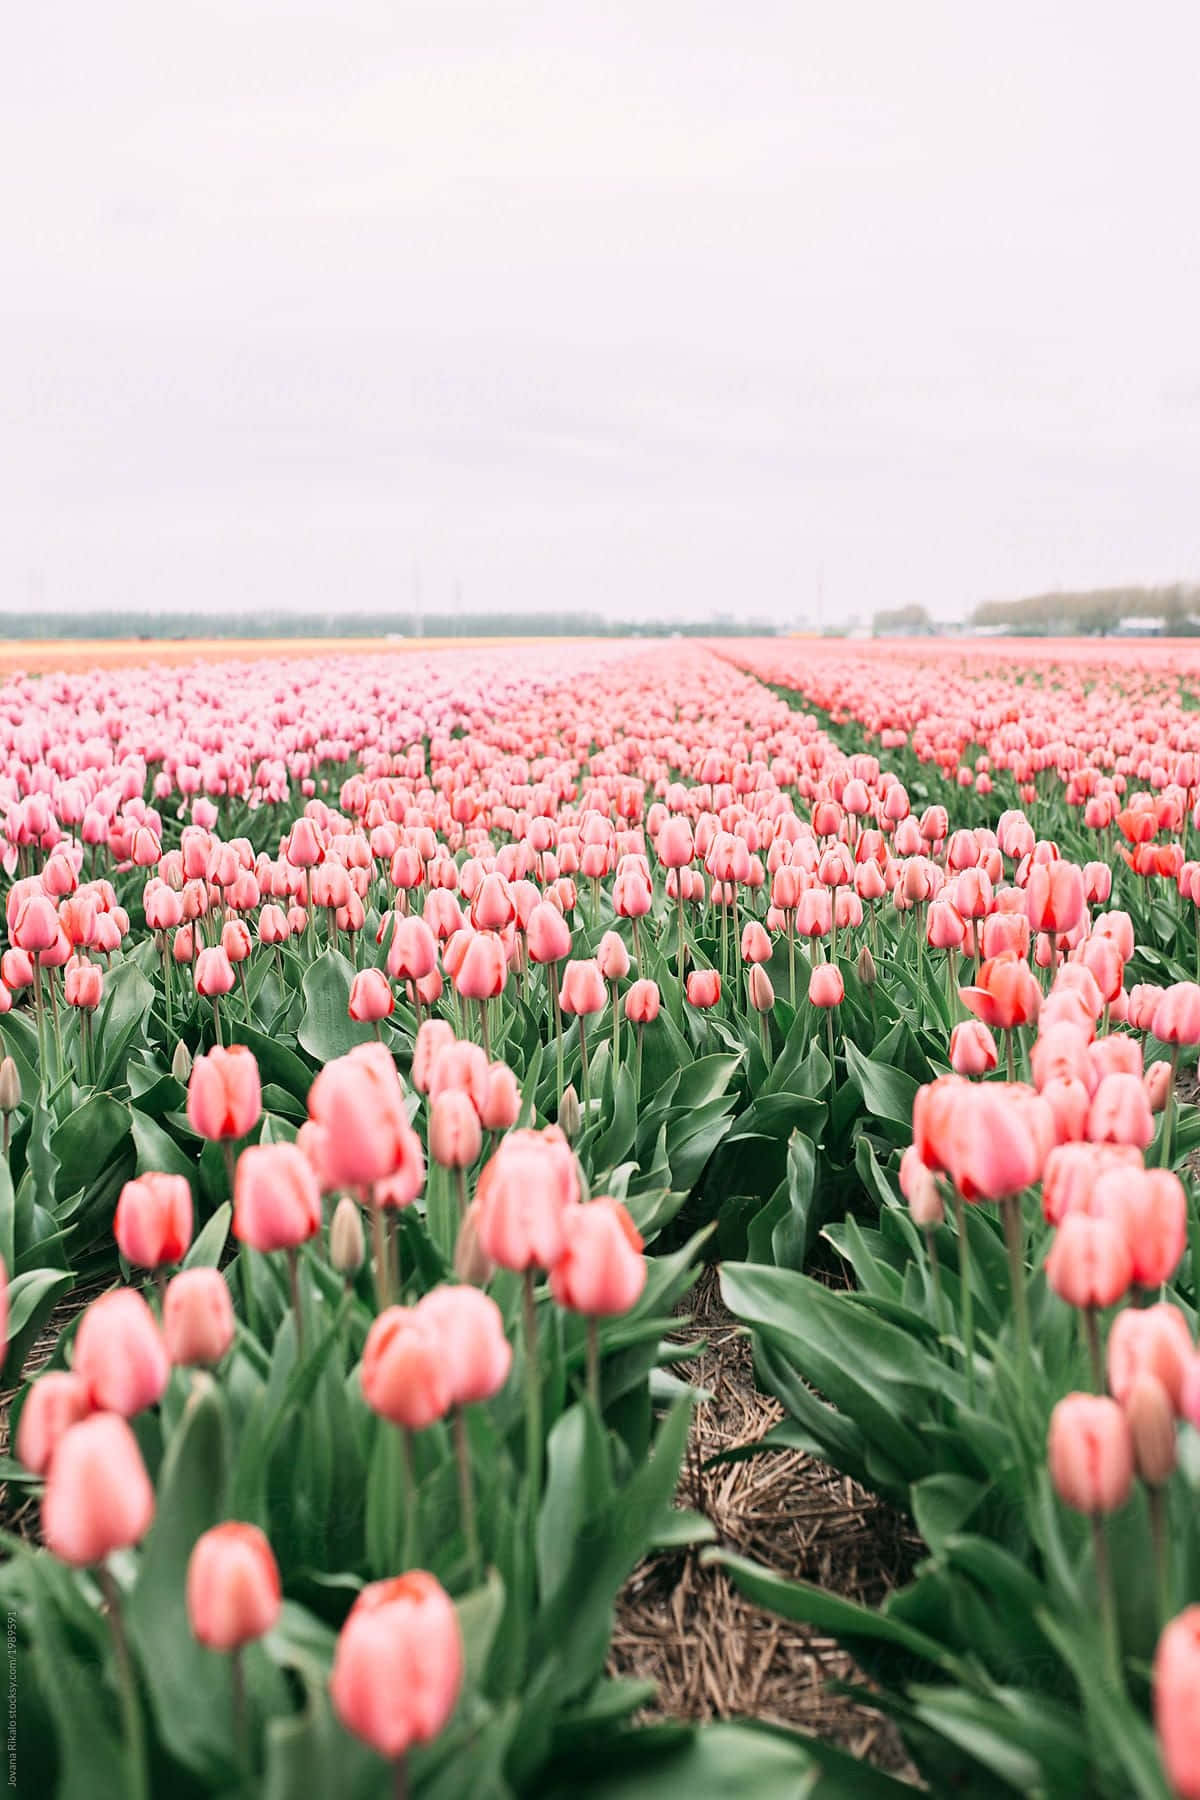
(646,307)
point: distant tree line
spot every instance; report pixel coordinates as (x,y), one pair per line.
(1095,611)
(902,621)
(117,624)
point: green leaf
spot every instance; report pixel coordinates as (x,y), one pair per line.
(156,1150)
(92,1763)
(188,1685)
(31,1299)
(830,1612)
(207,1247)
(87,1139)
(128,998)
(887,1092)
(327,1030)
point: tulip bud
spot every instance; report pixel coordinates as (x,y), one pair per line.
(10,1086)
(347,1248)
(471,1261)
(181,1063)
(1152,1425)
(759,990)
(570,1115)
(866,967)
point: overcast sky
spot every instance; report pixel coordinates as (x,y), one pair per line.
(646,307)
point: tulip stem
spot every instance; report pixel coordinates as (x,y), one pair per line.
(135,1734)
(791,944)
(533,1408)
(1009,1055)
(166,964)
(1108,1605)
(1013,1234)
(832,1046)
(483,1030)
(679,898)
(638,1067)
(241,1735)
(964,1282)
(764,1032)
(1157,1500)
(382,1273)
(583,1058)
(593,1363)
(935,1270)
(1091,1329)
(400,1779)
(466,1494)
(556,1010)
(230,1163)
(1169,1110)
(216,1012)
(616,1013)
(293,1259)
(410,1552)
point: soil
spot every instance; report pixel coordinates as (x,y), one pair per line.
(712,1653)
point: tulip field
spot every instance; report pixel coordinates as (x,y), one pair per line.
(391,1041)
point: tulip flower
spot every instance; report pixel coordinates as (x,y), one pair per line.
(398,1665)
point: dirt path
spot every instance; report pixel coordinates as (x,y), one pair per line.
(712,1653)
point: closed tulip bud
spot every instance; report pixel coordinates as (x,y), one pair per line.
(918,1184)
(612,958)
(1120,1113)
(233,1589)
(224,1093)
(198,1321)
(642,1002)
(153,1221)
(502,1105)
(404,1374)
(371,999)
(582,991)
(570,1114)
(972,1048)
(398,1665)
(483,969)
(866,967)
(1090,1263)
(1090,1453)
(471,1263)
(181,1063)
(601,1270)
(703,988)
(1177,1014)
(119,1353)
(1152,1340)
(360,1102)
(1152,1428)
(434,1036)
(455,1134)
(98,1496)
(1157,1083)
(54,1403)
(10,1086)
(1177,1703)
(347,1247)
(825,986)
(759,990)
(523,1192)
(83,983)
(547,934)
(475,1352)
(214,973)
(276,1200)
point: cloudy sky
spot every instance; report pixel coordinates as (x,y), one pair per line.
(647,307)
